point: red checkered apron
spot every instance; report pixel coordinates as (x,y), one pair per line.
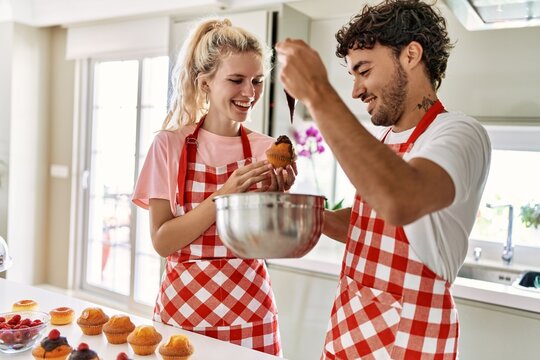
(205,288)
(389,305)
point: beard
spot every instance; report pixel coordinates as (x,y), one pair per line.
(393,99)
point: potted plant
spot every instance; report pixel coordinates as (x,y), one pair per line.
(530,215)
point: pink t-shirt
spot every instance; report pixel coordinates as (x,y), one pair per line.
(158,176)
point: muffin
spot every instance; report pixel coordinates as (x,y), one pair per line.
(178,347)
(83,352)
(25,305)
(52,347)
(91,321)
(144,340)
(62,315)
(281,153)
(118,328)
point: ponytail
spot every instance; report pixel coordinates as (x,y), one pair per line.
(201,54)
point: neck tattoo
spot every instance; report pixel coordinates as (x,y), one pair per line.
(425,104)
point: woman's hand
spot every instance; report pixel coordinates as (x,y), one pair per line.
(282,179)
(245,177)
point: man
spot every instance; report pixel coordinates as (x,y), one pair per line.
(418,186)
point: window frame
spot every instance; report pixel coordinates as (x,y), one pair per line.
(86,84)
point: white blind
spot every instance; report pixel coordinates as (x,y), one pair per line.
(141,36)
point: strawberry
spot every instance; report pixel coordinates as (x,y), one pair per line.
(54,334)
(82,346)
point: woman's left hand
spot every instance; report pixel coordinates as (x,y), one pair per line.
(282,179)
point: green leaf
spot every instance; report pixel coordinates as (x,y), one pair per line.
(339,205)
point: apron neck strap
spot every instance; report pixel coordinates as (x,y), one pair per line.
(189,155)
(424,123)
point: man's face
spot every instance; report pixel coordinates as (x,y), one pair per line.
(380,82)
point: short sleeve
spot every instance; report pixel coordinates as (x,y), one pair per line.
(462,148)
(157,179)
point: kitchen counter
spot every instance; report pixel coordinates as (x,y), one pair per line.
(470,289)
(205,347)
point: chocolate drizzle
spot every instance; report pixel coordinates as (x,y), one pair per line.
(291,102)
(50,345)
(85,354)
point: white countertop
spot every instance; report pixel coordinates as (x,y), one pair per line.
(205,347)
(470,289)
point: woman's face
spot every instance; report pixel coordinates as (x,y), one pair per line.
(236,86)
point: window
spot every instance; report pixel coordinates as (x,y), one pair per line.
(513,180)
(127,107)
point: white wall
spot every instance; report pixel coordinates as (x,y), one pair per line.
(60,154)
(28,157)
(6,42)
(491,73)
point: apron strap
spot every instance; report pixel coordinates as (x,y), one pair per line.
(424,123)
(189,155)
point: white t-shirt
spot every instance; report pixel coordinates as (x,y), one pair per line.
(461,146)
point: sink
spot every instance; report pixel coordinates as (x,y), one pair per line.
(485,271)
(529,280)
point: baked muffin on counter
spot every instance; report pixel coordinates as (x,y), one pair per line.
(52,347)
(118,328)
(91,321)
(178,347)
(83,352)
(144,340)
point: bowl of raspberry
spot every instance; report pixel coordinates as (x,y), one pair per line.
(20,330)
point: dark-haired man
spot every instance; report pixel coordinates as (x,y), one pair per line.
(418,185)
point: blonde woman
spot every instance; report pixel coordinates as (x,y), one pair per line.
(205,151)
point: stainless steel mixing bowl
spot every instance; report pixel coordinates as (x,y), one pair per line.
(269,225)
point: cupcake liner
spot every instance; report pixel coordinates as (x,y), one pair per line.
(144,349)
(91,329)
(116,338)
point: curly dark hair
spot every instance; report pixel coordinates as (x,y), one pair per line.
(395,23)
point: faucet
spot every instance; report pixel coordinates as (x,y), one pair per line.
(508,251)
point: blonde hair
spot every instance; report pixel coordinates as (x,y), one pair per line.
(209,42)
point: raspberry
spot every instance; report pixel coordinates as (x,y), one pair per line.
(54,334)
(36,322)
(82,346)
(26,322)
(122,356)
(15,319)
(18,336)
(7,337)
(2,319)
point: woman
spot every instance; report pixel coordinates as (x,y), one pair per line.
(208,152)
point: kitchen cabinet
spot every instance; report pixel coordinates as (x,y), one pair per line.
(491,332)
(487,330)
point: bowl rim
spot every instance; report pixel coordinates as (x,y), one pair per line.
(46,317)
(269,194)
